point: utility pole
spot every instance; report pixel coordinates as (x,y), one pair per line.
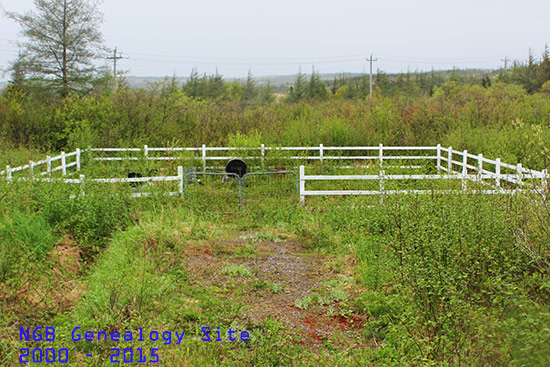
(506,59)
(115,58)
(370,60)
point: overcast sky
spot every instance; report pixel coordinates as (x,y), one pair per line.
(268,37)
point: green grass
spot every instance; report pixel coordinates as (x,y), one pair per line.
(436,280)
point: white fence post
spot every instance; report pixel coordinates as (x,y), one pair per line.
(78,159)
(480,162)
(497,172)
(302,184)
(82,187)
(204,157)
(181,179)
(63,163)
(479,166)
(146,152)
(464,169)
(381,183)
(31,167)
(449,159)
(520,174)
(321,152)
(49,165)
(262,148)
(8,173)
(438,157)
(381,154)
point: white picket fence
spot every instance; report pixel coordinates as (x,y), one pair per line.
(474,168)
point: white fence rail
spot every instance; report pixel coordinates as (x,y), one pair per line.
(48,166)
(322,153)
(471,168)
(82,180)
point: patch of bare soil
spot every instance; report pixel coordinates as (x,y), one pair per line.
(296,273)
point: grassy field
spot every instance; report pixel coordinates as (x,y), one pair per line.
(439,280)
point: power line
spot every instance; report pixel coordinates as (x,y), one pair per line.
(238,63)
(249,59)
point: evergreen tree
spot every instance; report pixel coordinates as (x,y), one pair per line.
(543,74)
(216,88)
(316,89)
(298,91)
(486,80)
(250,91)
(63,41)
(383,81)
(193,86)
(265,95)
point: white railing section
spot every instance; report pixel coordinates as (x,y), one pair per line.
(82,180)
(322,153)
(470,168)
(46,167)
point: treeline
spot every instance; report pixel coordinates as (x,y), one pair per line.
(501,120)
(531,75)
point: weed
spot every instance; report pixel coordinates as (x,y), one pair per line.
(237,270)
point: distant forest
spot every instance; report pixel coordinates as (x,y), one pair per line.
(531,75)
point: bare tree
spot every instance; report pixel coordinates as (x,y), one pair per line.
(63,39)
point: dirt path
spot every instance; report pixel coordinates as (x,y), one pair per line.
(284,282)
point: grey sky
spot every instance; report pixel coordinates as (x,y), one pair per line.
(166,37)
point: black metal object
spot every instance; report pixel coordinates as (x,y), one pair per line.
(134,175)
(236,166)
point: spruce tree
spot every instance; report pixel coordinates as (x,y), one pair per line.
(63,39)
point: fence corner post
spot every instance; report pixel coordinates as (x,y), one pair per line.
(302,184)
(450,160)
(181,178)
(78,159)
(63,164)
(438,157)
